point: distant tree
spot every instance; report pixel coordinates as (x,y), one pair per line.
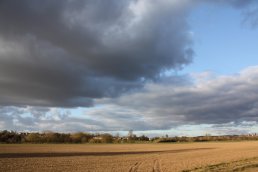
(106,138)
(143,138)
(33,138)
(9,137)
(50,137)
(80,137)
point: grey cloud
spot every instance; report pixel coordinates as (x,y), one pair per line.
(65,53)
(233,128)
(45,119)
(216,100)
(217,104)
(70,53)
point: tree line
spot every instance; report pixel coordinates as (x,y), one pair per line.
(82,137)
(79,137)
(207,138)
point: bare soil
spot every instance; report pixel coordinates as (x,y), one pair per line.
(190,157)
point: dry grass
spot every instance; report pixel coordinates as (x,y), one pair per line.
(222,156)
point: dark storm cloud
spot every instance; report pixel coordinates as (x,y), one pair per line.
(64,53)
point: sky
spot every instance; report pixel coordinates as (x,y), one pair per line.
(176,67)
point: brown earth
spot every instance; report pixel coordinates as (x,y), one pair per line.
(221,156)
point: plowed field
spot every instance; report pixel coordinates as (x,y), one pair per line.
(195,157)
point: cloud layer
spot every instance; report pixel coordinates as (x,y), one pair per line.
(210,99)
(114,54)
(220,101)
(65,53)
